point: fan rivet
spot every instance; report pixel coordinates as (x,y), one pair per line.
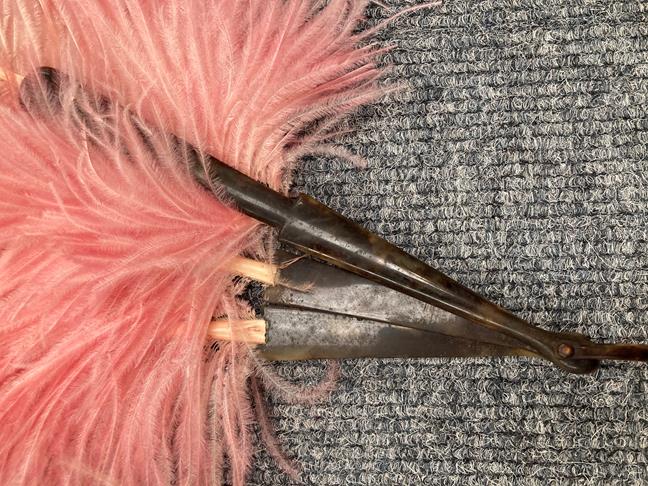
(565,350)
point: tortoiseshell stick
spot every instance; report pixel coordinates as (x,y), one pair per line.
(342,315)
(318,231)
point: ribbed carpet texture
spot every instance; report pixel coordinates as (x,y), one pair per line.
(516,161)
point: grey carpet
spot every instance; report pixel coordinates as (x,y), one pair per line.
(516,162)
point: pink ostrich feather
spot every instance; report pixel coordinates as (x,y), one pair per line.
(113,261)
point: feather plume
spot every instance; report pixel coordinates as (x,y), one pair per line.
(113,261)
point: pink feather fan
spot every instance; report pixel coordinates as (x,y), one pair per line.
(113,262)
